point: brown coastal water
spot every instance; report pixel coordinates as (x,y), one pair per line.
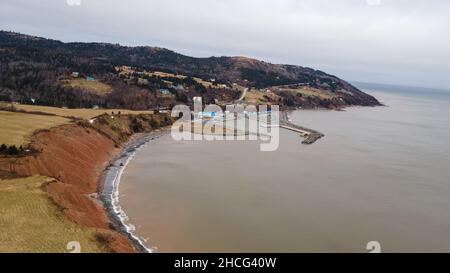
(380,174)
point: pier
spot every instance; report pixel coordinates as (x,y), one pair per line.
(311,135)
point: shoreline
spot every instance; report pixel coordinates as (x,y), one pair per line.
(109,187)
(84,191)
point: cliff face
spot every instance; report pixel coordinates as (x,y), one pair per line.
(76,155)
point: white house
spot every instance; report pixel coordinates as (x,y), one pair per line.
(197,99)
(164,91)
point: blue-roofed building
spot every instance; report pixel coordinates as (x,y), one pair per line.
(207,114)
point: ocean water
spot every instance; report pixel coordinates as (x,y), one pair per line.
(380,174)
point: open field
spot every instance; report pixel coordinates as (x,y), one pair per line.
(17,128)
(310,92)
(76,113)
(126,70)
(165,75)
(208,84)
(31,222)
(257,97)
(90,86)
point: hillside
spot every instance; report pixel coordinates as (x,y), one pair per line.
(76,75)
(49,193)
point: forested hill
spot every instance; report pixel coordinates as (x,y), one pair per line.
(43,71)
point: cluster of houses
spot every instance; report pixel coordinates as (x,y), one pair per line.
(225,114)
(77,75)
(142,81)
(213,115)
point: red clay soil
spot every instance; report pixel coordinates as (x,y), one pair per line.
(75,156)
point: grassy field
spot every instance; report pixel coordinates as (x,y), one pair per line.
(256,97)
(30,222)
(311,92)
(16,128)
(90,86)
(129,70)
(77,113)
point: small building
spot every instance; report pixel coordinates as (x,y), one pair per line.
(206,114)
(90,78)
(197,100)
(165,91)
(142,81)
(75,74)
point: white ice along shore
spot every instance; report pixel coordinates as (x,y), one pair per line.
(110,191)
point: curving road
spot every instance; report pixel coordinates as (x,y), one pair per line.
(244,93)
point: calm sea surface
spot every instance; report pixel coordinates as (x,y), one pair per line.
(380,174)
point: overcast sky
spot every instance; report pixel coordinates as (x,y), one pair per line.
(403,42)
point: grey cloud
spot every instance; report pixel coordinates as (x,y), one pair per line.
(399,41)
